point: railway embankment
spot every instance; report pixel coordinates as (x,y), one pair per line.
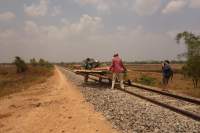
(131,114)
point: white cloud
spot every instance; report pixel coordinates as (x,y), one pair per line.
(56,11)
(50,41)
(104,6)
(8,33)
(141,7)
(89,1)
(64,21)
(173,33)
(6,16)
(146,7)
(121,28)
(175,6)
(194,4)
(101,5)
(138,44)
(74,41)
(86,26)
(37,10)
(87,23)
(31,28)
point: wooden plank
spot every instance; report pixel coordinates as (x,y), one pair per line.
(89,71)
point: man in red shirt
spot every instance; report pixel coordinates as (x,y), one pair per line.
(118,70)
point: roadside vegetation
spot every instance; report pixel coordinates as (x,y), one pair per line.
(179,83)
(21,75)
(147,80)
(192,66)
(186,73)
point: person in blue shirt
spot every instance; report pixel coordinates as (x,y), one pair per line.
(167,73)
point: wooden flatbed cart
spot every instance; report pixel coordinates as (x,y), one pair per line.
(100,75)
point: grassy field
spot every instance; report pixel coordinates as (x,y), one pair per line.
(11,82)
(150,74)
(153,67)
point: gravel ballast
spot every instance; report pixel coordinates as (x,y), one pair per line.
(131,114)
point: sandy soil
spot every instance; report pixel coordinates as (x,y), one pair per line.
(55,106)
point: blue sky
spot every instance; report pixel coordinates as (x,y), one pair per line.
(71,30)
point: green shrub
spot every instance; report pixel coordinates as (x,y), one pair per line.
(44,63)
(33,62)
(146,80)
(20,64)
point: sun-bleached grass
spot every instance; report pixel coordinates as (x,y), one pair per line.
(179,83)
(11,82)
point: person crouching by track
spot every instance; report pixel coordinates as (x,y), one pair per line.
(118,70)
(167,73)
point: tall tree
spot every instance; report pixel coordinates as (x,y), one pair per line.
(192,66)
(20,64)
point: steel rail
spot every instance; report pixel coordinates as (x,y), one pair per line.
(187,99)
(175,109)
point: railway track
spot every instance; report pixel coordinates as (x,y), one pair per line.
(184,105)
(176,104)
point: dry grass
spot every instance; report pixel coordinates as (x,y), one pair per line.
(11,82)
(179,83)
(153,67)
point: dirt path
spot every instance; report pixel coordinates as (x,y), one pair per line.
(55,106)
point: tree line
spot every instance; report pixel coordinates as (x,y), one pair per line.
(22,66)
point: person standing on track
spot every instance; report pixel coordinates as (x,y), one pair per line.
(166,73)
(118,70)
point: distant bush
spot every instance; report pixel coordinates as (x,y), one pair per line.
(44,63)
(62,63)
(33,62)
(146,80)
(20,64)
(41,62)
